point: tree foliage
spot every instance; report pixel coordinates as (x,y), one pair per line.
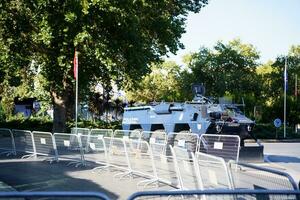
(162,84)
(116,40)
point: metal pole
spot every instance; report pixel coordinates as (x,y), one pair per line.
(296,87)
(285,84)
(76,96)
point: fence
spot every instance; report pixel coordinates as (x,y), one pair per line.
(104,132)
(218,194)
(45,145)
(224,146)
(132,134)
(185,168)
(188,141)
(58,195)
(24,142)
(247,176)
(79,132)
(97,150)
(69,147)
(7,143)
(213,172)
(191,194)
(132,155)
(154,136)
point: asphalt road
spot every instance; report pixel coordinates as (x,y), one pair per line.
(285,157)
(29,175)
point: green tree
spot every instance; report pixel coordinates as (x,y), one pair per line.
(116,40)
(276,86)
(160,85)
(226,70)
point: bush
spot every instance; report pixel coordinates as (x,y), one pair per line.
(32,123)
(97,124)
(268,131)
(46,124)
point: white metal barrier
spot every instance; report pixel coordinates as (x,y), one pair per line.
(225,146)
(69,147)
(247,176)
(213,172)
(82,131)
(96,151)
(45,145)
(182,169)
(185,168)
(117,157)
(189,141)
(7,142)
(132,134)
(104,132)
(154,136)
(164,164)
(24,142)
(141,160)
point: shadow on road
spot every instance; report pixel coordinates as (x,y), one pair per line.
(283,159)
(29,175)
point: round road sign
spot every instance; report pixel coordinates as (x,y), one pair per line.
(277,123)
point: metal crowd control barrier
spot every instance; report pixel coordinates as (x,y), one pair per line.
(132,134)
(69,147)
(247,176)
(104,132)
(141,161)
(81,131)
(157,141)
(117,157)
(218,194)
(7,142)
(154,136)
(185,168)
(225,146)
(54,195)
(213,172)
(24,142)
(96,151)
(45,145)
(164,164)
(184,140)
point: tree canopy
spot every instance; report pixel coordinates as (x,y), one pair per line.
(116,40)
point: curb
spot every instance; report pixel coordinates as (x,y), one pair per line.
(275,141)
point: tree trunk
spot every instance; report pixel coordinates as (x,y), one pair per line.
(59,113)
(63,108)
(63,105)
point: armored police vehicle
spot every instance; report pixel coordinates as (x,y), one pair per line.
(201,115)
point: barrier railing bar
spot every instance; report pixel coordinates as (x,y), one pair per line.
(213,192)
(292,181)
(4,195)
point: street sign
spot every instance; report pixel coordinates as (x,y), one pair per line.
(277,123)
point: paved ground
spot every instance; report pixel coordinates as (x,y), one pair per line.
(30,175)
(285,157)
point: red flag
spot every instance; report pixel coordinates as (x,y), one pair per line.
(75,62)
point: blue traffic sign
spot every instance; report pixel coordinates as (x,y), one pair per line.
(277,123)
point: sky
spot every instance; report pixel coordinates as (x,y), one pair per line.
(272,26)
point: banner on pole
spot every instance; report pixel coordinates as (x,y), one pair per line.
(75,62)
(285,77)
